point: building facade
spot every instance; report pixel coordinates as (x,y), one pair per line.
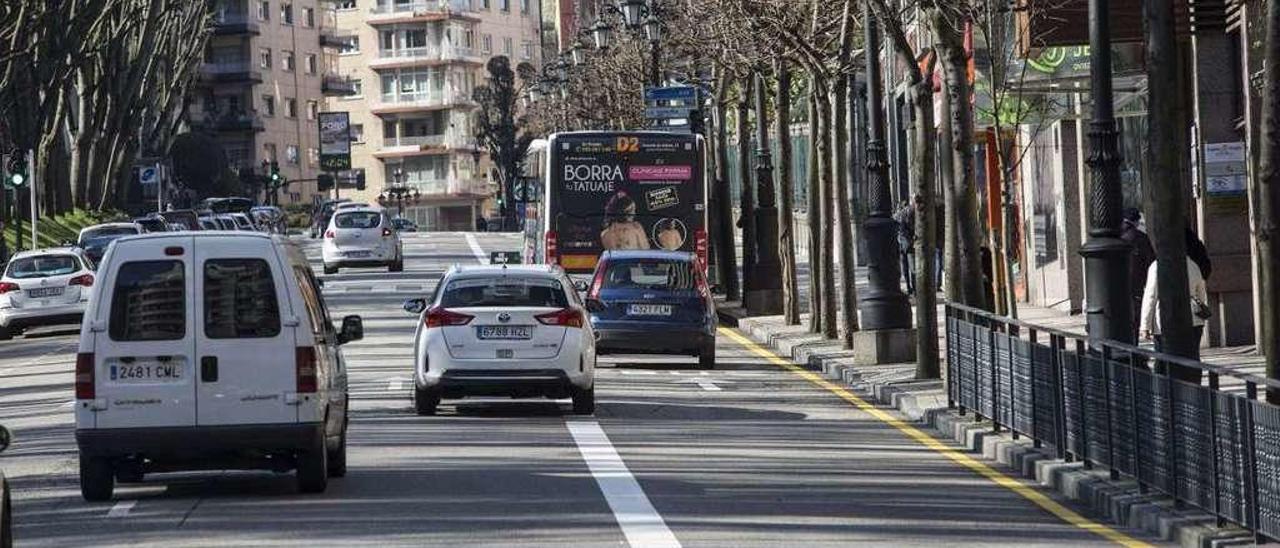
(264,79)
(415,64)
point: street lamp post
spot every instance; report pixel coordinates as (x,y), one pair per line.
(884,305)
(1108,308)
(764,293)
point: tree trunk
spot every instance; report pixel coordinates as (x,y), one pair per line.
(816,235)
(826,187)
(1269,198)
(922,177)
(786,236)
(746,198)
(1165,199)
(964,262)
(946,158)
(840,182)
(726,254)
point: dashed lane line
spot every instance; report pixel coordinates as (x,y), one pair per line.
(476,249)
(121,509)
(640,522)
(982,469)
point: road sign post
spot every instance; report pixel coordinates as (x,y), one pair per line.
(673,107)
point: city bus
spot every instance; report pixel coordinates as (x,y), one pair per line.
(586,192)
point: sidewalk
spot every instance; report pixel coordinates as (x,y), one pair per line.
(894,385)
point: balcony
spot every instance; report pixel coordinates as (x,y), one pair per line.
(422,145)
(228,122)
(433,55)
(335,85)
(335,38)
(233,23)
(436,189)
(392,11)
(230,73)
(422,101)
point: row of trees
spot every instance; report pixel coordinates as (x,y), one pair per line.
(91,85)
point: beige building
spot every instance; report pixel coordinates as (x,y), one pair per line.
(262,83)
(415,64)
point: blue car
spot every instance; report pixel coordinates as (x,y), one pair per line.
(652,302)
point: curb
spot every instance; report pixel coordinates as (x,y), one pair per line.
(1117,502)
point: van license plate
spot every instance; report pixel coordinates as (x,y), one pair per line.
(649,310)
(504,332)
(42,292)
(146,372)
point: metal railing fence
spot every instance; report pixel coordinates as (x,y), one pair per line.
(1116,406)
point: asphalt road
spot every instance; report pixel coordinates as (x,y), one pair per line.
(745,455)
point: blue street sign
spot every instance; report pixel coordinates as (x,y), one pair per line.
(672,93)
(664,113)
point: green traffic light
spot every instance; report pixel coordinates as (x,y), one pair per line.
(17,179)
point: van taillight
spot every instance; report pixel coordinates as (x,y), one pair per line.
(305,363)
(597,281)
(84,376)
(553,253)
(700,246)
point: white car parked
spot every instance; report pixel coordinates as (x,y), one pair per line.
(362,236)
(209,350)
(44,287)
(518,331)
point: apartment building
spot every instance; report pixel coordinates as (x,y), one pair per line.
(415,64)
(263,81)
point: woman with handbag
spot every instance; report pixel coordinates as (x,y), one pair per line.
(1200,311)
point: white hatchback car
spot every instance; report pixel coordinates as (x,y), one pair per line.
(518,331)
(362,236)
(44,287)
(209,350)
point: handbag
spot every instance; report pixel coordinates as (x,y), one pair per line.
(1200,309)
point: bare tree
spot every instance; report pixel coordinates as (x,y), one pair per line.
(1269,197)
(790,287)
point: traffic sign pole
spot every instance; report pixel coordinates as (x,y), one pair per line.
(31,191)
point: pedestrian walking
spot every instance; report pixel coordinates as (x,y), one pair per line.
(1141,255)
(1150,323)
(1198,254)
(905,217)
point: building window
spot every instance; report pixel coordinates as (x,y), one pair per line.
(269,152)
(504,5)
(264,58)
(290,108)
(486,44)
(485,4)
(313,109)
(358,85)
(347,5)
(524,7)
(311,63)
(526,50)
(357,133)
(291,154)
(506,46)
(350,46)
(264,10)
(309,16)
(268,105)
(287,60)
(286,14)
(313,156)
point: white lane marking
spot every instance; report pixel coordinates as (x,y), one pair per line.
(475,249)
(639,521)
(708,386)
(394,386)
(121,509)
(57,349)
(636,372)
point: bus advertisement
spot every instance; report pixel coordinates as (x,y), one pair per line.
(615,190)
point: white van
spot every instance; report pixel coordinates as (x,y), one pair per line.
(209,350)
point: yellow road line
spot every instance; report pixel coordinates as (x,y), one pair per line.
(982,469)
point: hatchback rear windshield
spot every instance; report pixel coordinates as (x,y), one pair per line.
(649,274)
(358,219)
(149,302)
(42,267)
(107,231)
(539,292)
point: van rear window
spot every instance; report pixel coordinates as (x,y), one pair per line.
(149,302)
(240,300)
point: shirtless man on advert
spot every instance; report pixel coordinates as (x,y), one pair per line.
(621,230)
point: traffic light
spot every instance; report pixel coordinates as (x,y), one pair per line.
(16,168)
(360,180)
(325,182)
(276,179)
